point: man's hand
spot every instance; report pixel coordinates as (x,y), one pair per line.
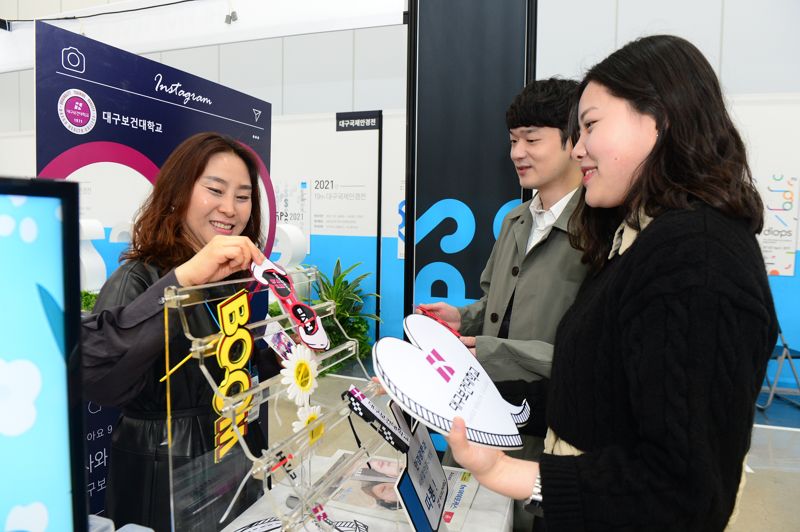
(447,313)
(470,342)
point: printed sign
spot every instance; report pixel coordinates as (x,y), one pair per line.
(293,204)
(778,238)
(39,424)
(100,422)
(108,119)
(463,176)
(423,485)
(776,173)
(358,120)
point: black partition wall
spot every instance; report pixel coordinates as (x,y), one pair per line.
(467,61)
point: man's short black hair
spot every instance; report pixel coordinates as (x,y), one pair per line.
(543,103)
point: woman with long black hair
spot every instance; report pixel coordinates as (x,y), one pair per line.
(658,363)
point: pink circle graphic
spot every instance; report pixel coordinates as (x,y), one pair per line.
(264,173)
(67,162)
(77,111)
(75,158)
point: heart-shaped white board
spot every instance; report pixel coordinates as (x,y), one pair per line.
(426,333)
(439,380)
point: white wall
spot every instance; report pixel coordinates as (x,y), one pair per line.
(751,45)
(326,72)
(753,48)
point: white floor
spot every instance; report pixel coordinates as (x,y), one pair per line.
(770,499)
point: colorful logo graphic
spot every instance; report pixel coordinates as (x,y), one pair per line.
(77,111)
(435,359)
(319,513)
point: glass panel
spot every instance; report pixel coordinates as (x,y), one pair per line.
(246,442)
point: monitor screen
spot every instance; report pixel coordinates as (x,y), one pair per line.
(41,448)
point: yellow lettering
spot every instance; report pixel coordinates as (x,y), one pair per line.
(226,344)
(234,312)
(225,437)
(233,315)
(240,377)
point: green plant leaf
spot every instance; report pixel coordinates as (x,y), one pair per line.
(349,298)
(358,280)
(88,300)
(348,270)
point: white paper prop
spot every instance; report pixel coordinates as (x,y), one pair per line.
(440,380)
(428,337)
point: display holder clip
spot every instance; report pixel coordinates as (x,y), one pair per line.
(364,408)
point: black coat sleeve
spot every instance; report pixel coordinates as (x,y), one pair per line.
(124,336)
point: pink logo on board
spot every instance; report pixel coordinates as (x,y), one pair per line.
(77,111)
(435,359)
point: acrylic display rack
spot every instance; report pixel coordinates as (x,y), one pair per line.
(215,483)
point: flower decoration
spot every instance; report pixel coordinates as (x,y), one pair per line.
(307,415)
(300,374)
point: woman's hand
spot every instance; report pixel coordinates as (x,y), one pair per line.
(379,390)
(221,257)
(492,468)
(479,460)
(447,313)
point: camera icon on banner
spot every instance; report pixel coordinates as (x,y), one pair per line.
(73,59)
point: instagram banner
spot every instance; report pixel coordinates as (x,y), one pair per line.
(108,119)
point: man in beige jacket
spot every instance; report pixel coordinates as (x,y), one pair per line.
(533,273)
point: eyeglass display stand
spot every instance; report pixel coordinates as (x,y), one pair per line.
(307,458)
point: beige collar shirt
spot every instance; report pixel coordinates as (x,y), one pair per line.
(543,220)
(626,235)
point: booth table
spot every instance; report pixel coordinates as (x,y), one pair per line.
(488,511)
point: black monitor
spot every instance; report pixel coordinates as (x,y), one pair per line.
(41,428)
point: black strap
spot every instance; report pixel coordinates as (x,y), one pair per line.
(506,323)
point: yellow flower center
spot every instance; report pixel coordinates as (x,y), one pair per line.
(316,432)
(302,376)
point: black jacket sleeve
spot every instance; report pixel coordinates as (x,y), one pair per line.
(124,336)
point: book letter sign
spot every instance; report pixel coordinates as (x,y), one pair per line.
(437,378)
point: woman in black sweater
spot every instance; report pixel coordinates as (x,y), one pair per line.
(658,363)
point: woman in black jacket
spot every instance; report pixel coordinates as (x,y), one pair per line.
(200,224)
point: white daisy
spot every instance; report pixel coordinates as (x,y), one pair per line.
(307,415)
(300,374)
